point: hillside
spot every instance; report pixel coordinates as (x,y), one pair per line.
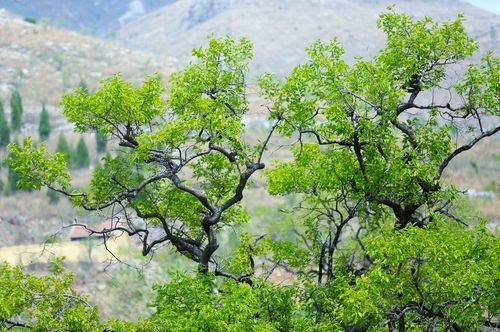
(99,18)
(280,31)
(44,62)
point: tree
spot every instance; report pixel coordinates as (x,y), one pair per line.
(16,111)
(53,196)
(101,141)
(80,156)
(4,128)
(63,147)
(45,303)
(12,179)
(44,127)
(84,86)
(377,240)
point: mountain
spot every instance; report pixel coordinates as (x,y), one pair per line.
(281,30)
(44,62)
(97,17)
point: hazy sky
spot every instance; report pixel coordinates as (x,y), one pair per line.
(491,5)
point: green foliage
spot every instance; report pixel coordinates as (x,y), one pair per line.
(106,179)
(429,273)
(420,47)
(83,86)
(130,105)
(63,147)
(4,128)
(481,84)
(36,166)
(359,158)
(76,158)
(16,111)
(371,237)
(80,157)
(44,127)
(351,113)
(432,274)
(207,97)
(47,303)
(197,303)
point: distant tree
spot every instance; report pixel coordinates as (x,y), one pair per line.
(12,179)
(16,111)
(44,127)
(63,147)
(4,128)
(53,196)
(81,158)
(100,140)
(84,86)
(31,20)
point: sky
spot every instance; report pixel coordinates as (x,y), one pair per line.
(491,5)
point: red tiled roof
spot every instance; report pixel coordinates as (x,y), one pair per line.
(79,231)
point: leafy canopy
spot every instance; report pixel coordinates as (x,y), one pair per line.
(48,303)
(372,238)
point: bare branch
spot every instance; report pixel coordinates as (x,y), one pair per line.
(407,131)
(324,142)
(463,148)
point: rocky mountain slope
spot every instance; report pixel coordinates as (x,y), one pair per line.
(44,62)
(281,30)
(95,17)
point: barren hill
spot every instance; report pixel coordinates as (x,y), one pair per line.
(94,17)
(281,30)
(44,62)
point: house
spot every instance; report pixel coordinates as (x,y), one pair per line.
(81,232)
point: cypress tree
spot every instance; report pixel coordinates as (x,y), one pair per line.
(83,85)
(4,128)
(16,111)
(81,155)
(63,147)
(100,141)
(12,178)
(44,127)
(53,196)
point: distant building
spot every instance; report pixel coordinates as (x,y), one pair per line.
(81,232)
(75,250)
